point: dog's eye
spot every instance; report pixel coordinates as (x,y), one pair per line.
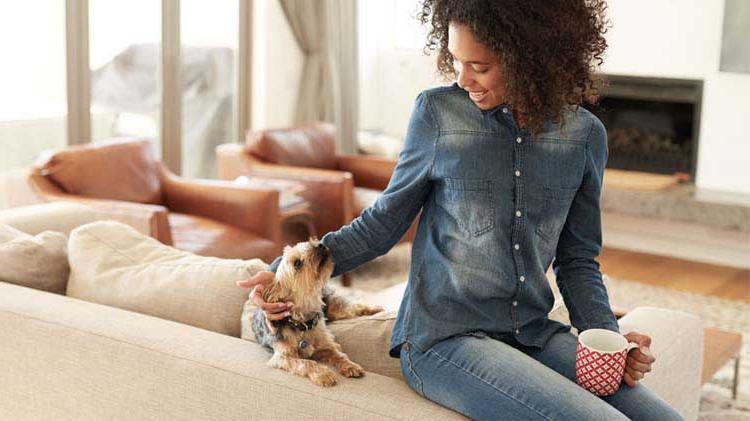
(298,264)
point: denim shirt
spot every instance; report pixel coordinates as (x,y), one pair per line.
(498,206)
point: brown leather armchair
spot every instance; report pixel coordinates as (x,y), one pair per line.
(206,217)
(338,186)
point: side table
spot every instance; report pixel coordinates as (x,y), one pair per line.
(721,346)
(296,216)
(297,223)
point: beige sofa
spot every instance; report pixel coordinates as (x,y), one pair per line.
(68,358)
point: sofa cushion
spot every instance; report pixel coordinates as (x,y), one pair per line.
(113,264)
(39,262)
(367,341)
(119,169)
(311,145)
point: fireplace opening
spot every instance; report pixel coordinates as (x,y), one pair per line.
(652,123)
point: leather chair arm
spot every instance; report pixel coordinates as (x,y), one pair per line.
(156,215)
(369,171)
(330,193)
(254,210)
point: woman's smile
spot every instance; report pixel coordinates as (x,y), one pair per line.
(478,96)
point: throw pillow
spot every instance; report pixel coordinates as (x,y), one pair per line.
(39,262)
(113,264)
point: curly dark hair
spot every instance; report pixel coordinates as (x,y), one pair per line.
(549,49)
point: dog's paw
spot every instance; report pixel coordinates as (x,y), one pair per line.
(351,369)
(324,377)
(368,310)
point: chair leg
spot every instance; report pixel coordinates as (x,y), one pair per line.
(735,383)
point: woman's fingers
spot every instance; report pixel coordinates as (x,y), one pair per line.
(637,365)
(276,316)
(629,380)
(270,326)
(269,308)
(634,374)
(260,278)
(273,311)
(643,355)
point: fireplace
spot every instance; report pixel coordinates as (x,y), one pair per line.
(652,123)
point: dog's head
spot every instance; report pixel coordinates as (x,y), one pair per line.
(305,268)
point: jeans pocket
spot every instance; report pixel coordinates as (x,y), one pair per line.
(470,203)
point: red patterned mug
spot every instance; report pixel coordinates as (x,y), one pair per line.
(600,360)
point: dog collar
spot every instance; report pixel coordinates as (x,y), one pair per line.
(289,321)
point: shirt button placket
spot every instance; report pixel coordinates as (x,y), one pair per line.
(518,229)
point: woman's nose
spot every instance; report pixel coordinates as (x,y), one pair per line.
(463,79)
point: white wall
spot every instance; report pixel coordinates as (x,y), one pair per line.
(664,38)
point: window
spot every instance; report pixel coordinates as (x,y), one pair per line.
(33,110)
(125,60)
(209,78)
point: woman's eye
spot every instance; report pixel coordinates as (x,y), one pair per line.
(298,264)
(480,71)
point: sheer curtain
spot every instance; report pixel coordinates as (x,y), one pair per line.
(326,32)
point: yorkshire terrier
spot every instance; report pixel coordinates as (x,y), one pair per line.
(302,341)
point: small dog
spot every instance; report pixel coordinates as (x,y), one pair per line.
(302,341)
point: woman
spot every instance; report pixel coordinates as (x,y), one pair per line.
(507,171)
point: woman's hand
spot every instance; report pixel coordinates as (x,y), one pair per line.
(273,311)
(639,359)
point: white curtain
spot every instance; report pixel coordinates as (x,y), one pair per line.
(326,32)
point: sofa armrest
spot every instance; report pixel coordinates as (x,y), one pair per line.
(65,358)
(373,172)
(677,345)
(254,210)
(330,193)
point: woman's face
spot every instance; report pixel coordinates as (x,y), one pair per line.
(479,72)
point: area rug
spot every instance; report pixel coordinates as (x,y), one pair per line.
(716,402)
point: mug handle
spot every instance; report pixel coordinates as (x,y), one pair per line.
(631,345)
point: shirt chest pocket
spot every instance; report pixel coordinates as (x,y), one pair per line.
(554,203)
(469,203)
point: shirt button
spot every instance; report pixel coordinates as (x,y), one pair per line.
(518,173)
(516,246)
(523,278)
(519,140)
(518,331)
(518,213)
(505,110)
(515,303)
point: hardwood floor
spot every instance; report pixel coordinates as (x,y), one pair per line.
(683,275)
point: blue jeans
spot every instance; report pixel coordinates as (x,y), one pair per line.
(489,379)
